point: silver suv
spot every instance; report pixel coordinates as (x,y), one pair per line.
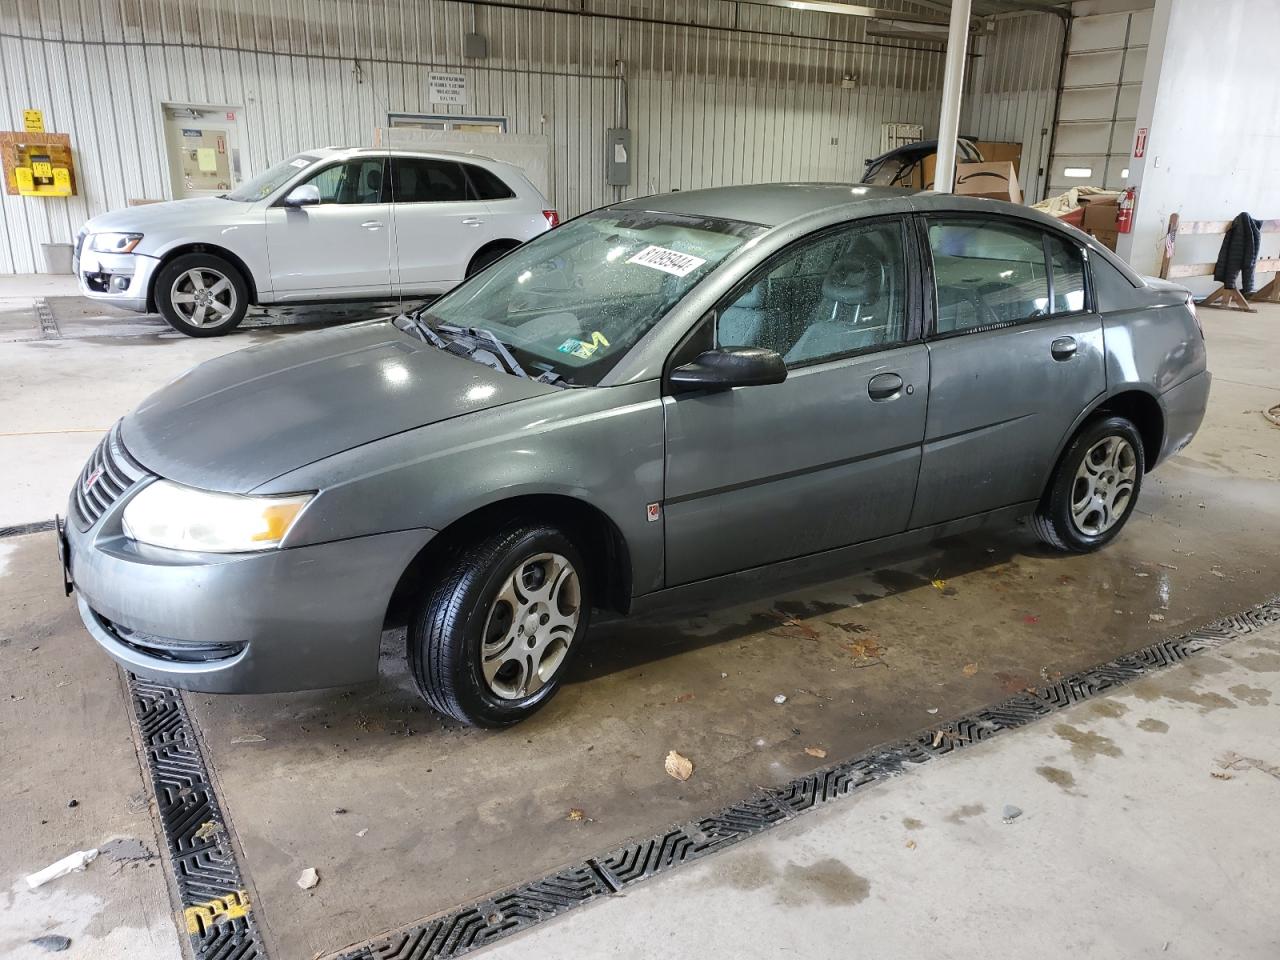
(328,224)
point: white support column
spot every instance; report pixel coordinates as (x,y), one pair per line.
(952,89)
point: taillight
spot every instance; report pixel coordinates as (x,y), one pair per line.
(1191,305)
(553,218)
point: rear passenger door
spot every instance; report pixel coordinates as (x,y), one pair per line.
(439,223)
(1016,354)
(828,457)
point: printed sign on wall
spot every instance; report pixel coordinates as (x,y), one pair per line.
(447,87)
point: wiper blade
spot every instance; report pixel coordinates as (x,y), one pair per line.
(418,324)
(481,337)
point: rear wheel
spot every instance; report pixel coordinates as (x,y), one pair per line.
(490,642)
(489,255)
(201,295)
(1095,487)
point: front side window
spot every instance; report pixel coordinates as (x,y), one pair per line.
(574,300)
(842,293)
(355,181)
(988,273)
(423,180)
(271,180)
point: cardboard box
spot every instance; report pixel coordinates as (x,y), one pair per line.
(1106,237)
(1099,215)
(996,179)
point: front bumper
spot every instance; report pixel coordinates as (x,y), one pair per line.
(294,619)
(121,279)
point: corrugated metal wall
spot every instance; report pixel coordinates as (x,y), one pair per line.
(717,93)
(1011,91)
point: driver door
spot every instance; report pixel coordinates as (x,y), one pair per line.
(830,456)
(340,246)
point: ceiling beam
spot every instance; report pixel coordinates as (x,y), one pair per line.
(849,10)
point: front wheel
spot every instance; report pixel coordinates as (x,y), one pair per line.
(201,295)
(1095,487)
(491,641)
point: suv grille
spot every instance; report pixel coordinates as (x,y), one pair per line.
(108,474)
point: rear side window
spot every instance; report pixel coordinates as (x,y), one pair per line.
(422,180)
(487,185)
(988,273)
(1068,274)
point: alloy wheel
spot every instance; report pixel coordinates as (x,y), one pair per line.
(530,625)
(203,297)
(1103,486)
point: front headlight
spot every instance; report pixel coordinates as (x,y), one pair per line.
(168,514)
(114,242)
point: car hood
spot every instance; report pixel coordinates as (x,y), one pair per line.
(234,423)
(151,216)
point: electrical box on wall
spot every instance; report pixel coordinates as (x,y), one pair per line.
(618,158)
(38,164)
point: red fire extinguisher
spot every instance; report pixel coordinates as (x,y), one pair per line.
(1124,210)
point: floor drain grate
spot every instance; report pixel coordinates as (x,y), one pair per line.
(48,325)
(22,529)
(215,906)
(518,909)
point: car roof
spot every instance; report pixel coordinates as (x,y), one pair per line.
(767,204)
(328,152)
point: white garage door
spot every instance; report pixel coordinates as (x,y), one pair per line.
(1106,56)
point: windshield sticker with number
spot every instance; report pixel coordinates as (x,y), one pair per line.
(668,261)
(583,349)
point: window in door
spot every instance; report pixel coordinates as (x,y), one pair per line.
(423,180)
(988,273)
(355,181)
(1068,274)
(842,293)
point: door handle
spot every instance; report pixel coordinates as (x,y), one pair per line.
(473,221)
(1064,348)
(884,386)
(372,224)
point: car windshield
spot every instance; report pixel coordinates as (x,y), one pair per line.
(269,181)
(576,299)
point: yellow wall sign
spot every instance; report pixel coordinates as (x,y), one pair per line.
(33,121)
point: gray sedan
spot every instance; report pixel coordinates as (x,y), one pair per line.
(648,404)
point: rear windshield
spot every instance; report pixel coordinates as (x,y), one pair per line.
(577,298)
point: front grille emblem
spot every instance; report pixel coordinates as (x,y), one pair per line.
(91,479)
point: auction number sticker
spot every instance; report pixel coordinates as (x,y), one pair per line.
(668,261)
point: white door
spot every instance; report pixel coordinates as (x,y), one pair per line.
(340,246)
(203,145)
(440,223)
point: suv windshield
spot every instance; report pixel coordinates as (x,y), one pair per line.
(269,181)
(576,299)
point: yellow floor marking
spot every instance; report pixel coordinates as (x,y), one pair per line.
(202,916)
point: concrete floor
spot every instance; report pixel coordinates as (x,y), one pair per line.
(452,813)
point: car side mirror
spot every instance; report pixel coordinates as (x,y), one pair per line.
(303,195)
(729,367)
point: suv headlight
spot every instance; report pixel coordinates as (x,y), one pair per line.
(168,514)
(114,242)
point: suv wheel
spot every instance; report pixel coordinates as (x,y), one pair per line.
(201,295)
(491,642)
(1094,489)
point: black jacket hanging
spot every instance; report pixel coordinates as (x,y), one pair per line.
(1239,253)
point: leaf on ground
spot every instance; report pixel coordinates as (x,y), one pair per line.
(683,698)
(938,736)
(970,669)
(1030,618)
(1219,775)
(911,844)
(939,584)
(679,766)
(575,815)
(866,647)
(815,752)
(208,829)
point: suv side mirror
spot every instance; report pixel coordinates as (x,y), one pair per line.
(303,195)
(729,367)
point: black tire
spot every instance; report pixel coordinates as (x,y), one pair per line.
(489,255)
(447,629)
(224,309)
(1056,523)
